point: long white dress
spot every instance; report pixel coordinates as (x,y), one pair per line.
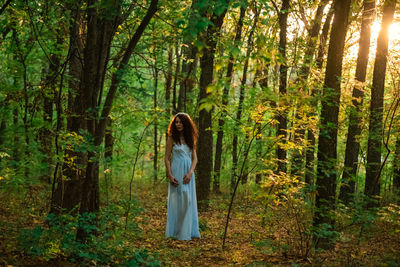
(182,218)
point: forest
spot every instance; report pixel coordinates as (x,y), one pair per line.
(297,105)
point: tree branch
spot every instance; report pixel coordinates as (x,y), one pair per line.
(117,75)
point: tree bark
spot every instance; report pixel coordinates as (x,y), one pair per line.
(240,105)
(298,157)
(82,187)
(373,168)
(108,154)
(225,100)
(205,143)
(155,141)
(327,146)
(396,169)
(283,68)
(188,71)
(168,81)
(310,151)
(347,187)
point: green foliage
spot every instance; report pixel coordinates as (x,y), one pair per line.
(284,197)
(203,225)
(107,242)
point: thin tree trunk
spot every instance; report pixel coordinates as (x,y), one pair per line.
(373,168)
(263,82)
(49,97)
(298,156)
(168,81)
(188,71)
(347,188)
(327,145)
(155,143)
(281,117)
(396,169)
(240,104)
(310,151)
(225,100)
(181,105)
(108,155)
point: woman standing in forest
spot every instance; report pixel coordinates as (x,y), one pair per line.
(182,218)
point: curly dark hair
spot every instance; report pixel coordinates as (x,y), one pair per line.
(189,130)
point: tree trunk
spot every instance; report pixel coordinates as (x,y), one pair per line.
(205,143)
(327,146)
(281,117)
(108,154)
(263,82)
(168,81)
(240,105)
(373,168)
(188,71)
(310,151)
(181,105)
(225,100)
(298,156)
(82,187)
(155,143)
(347,187)
(49,95)
(396,169)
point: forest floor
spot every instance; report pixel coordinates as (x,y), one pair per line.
(279,238)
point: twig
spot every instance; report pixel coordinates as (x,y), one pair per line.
(133,175)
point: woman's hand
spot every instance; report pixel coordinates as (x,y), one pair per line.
(173,180)
(187,177)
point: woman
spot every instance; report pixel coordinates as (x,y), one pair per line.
(182,219)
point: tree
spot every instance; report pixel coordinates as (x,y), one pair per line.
(103,19)
(327,146)
(205,143)
(310,151)
(302,81)
(373,168)
(283,68)
(225,98)
(352,144)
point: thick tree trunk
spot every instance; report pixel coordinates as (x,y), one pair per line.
(205,143)
(347,187)
(373,168)
(82,187)
(71,168)
(327,146)
(281,117)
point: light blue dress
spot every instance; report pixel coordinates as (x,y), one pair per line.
(182,218)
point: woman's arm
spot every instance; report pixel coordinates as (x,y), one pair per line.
(168,150)
(186,178)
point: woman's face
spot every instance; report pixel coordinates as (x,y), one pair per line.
(178,124)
